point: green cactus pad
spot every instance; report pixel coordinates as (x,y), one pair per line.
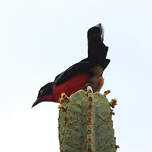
(85,124)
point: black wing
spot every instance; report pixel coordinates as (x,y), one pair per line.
(97,52)
(80,67)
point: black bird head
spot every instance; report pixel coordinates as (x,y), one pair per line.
(45,94)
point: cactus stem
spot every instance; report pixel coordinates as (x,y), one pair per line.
(86,119)
(89,132)
(89,114)
(59,106)
(112,113)
(89,150)
(90,99)
(89,107)
(62,108)
(88,122)
(106,92)
(89,140)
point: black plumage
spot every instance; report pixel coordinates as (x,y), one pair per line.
(97,52)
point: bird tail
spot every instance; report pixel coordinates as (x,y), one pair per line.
(97,50)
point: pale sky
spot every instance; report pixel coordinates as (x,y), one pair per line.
(41,38)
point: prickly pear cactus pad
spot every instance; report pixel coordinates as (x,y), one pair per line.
(85,123)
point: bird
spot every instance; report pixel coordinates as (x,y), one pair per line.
(87,72)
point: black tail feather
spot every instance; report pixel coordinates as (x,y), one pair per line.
(107,61)
(97,50)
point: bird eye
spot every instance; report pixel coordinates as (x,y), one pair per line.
(41,92)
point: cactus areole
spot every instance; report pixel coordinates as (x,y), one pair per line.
(85,123)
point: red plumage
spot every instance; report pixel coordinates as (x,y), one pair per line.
(70,86)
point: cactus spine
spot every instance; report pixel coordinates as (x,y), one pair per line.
(85,123)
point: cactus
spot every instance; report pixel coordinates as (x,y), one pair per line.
(85,123)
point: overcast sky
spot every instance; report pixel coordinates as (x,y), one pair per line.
(41,38)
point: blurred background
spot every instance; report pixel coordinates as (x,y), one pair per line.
(41,38)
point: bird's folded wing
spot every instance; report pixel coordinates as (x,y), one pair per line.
(80,67)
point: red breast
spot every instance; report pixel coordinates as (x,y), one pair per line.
(72,85)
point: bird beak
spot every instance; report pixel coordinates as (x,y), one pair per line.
(36,102)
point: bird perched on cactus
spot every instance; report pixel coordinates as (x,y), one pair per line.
(87,72)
